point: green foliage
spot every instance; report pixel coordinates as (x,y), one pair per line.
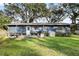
(74,7)
(4,20)
(37,7)
(22,8)
(12,8)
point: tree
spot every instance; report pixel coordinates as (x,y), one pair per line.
(4,20)
(57,12)
(26,11)
(73,10)
(12,10)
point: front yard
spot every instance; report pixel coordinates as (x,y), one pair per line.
(49,46)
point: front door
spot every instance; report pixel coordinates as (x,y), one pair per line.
(28,31)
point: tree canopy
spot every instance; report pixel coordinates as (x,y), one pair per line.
(4,19)
(60,10)
(26,11)
(73,10)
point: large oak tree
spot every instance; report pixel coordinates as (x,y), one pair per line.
(26,11)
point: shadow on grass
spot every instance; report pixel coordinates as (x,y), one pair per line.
(15,50)
(67,47)
(9,48)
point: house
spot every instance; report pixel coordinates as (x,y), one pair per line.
(37,29)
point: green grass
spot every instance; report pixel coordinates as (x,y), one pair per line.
(49,46)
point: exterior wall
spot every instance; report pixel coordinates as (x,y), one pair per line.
(35,30)
(17,30)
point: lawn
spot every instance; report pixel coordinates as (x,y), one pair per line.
(49,46)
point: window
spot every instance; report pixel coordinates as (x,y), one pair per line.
(12,29)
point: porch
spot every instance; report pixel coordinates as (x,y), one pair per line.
(39,30)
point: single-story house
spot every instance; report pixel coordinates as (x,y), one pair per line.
(37,29)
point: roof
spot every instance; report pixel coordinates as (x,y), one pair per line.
(40,24)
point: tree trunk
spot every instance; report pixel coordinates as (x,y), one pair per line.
(49,21)
(27,20)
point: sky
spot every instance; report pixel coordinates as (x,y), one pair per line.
(1,6)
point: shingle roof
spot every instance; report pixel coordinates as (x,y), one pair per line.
(30,24)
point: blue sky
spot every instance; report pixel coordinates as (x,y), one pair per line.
(1,6)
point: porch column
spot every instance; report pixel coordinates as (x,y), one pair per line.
(26,30)
(15,30)
(8,33)
(42,33)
